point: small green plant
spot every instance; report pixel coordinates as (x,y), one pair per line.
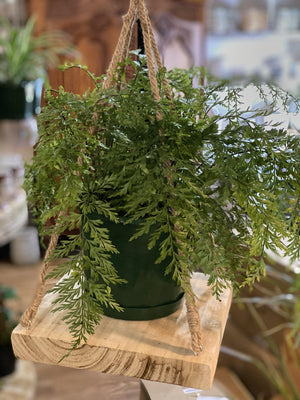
(216,191)
(25,56)
(279,361)
(7,319)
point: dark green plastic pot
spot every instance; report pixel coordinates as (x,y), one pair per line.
(7,359)
(20,101)
(149,294)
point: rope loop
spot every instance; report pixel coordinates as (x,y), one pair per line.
(138,10)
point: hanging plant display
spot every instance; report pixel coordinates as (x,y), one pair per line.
(202,191)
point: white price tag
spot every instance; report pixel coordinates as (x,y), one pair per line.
(198,392)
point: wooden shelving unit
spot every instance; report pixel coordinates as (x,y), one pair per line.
(157,350)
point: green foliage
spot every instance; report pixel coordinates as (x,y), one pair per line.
(7,318)
(24,56)
(217,190)
(274,329)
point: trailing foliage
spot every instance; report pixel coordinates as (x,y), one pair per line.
(218,190)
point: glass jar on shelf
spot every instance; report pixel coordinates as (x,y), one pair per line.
(287,16)
(222,16)
(253,16)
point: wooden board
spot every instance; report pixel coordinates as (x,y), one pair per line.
(157,350)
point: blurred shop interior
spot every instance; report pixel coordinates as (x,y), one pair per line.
(233,39)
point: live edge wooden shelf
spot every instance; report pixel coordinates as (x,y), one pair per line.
(157,350)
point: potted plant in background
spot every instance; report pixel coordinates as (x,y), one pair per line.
(24,60)
(270,366)
(210,192)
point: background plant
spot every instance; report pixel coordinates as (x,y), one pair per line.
(271,311)
(7,318)
(217,190)
(25,56)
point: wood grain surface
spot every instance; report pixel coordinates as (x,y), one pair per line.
(156,350)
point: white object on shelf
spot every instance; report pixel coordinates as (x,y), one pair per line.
(164,391)
(288,19)
(24,248)
(21,384)
(13,216)
(17,136)
(270,55)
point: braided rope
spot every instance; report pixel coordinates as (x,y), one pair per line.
(157,56)
(31,311)
(127,42)
(143,14)
(124,38)
(194,324)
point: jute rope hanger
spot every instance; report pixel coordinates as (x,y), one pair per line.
(137,10)
(31,311)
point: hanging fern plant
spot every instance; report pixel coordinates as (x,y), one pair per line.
(211,192)
(216,191)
